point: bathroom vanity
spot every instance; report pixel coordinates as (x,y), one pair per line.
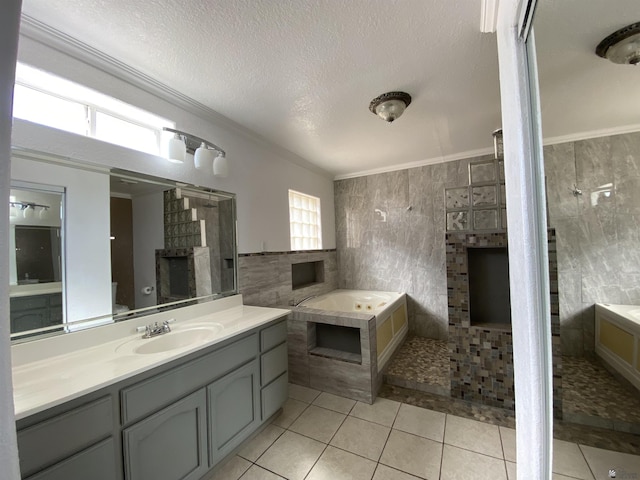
(126,408)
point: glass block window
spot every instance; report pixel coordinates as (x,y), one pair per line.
(304,221)
(43,98)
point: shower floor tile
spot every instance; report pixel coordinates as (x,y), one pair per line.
(420,364)
(593,396)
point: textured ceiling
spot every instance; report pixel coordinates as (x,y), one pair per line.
(301,73)
(581,92)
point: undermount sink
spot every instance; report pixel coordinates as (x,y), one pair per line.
(174,340)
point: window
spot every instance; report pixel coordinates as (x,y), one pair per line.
(304,220)
(43,98)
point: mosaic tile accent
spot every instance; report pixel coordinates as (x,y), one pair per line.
(481,357)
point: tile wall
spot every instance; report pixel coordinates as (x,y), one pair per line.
(264,279)
(598,231)
(382,245)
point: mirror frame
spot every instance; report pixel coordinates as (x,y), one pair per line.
(77,325)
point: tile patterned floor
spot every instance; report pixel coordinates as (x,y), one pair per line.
(591,395)
(320,436)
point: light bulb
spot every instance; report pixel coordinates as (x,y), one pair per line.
(220,166)
(176,149)
(28,212)
(203,157)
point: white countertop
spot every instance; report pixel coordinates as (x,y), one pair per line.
(45,376)
(31,289)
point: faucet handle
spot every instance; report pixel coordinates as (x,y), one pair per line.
(165,326)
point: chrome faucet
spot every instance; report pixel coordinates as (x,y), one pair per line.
(294,304)
(155,329)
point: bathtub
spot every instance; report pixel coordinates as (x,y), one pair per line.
(389,308)
(618,339)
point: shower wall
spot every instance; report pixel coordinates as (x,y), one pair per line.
(384,245)
(598,232)
(390,232)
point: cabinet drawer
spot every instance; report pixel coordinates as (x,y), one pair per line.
(96,463)
(55,439)
(273,335)
(273,363)
(274,395)
(152,394)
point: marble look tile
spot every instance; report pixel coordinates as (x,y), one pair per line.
(334,402)
(473,435)
(601,461)
(625,153)
(231,470)
(335,464)
(259,444)
(412,454)
(508,438)
(363,438)
(290,411)
(593,162)
(259,473)
(560,173)
(318,423)
(420,421)
(382,411)
(303,394)
(568,460)
(387,473)
(292,456)
(459,464)
(628,196)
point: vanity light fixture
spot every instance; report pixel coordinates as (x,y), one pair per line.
(29,209)
(498,144)
(389,106)
(202,150)
(622,46)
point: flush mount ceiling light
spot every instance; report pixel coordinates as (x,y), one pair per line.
(622,46)
(203,151)
(389,106)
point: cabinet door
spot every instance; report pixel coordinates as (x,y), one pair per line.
(233,410)
(170,445)
(95,463)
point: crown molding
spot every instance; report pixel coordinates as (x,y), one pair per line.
(68,45)
(605,132)
(419,163)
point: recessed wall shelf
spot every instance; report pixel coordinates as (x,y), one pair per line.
(306,274)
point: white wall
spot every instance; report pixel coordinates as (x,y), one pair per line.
(85,234)
(260,174)
(148,235)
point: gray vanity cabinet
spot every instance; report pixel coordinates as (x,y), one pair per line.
(234,410)
(175,422)
(169,445)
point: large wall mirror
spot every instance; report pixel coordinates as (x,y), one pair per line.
(90,246)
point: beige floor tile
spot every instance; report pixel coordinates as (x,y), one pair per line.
(291,456)
(318,423)
(334,402)
(600,461)
(460,464)
(508,437)
(259,444)
(473,435)
(511,471)
(337,464)
(290,411)
(259,473)
(231,470)
(387,473)
(382,411)
(303,394)
(361,437)
(412,454)
(568,460)
(420,421)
